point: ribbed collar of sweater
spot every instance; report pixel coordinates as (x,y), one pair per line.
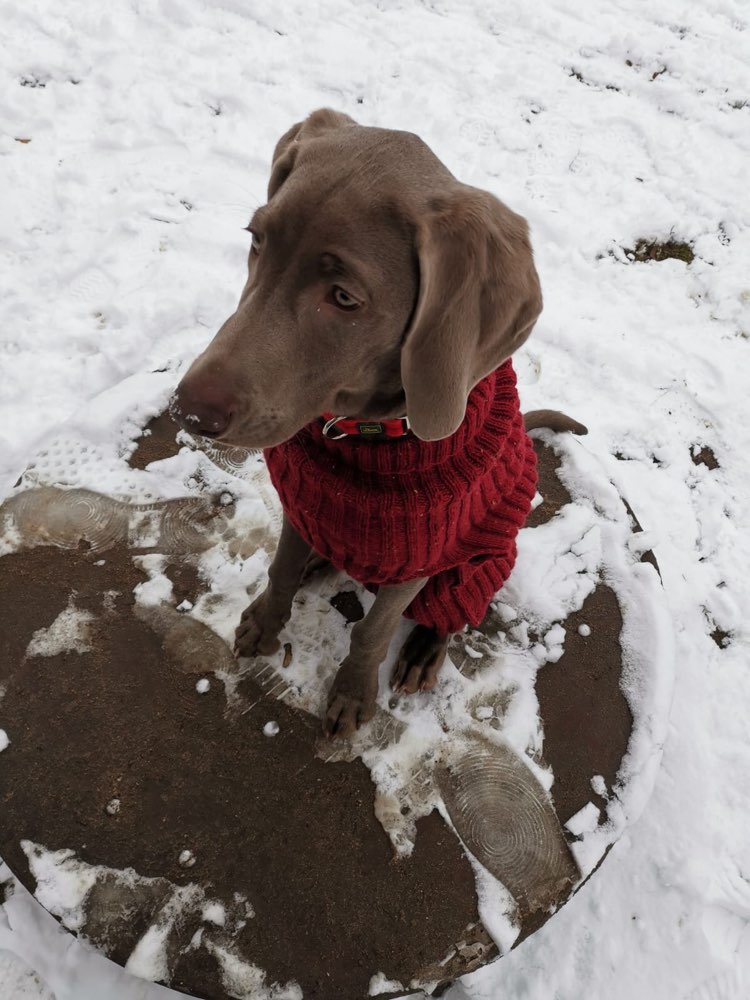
(490,409)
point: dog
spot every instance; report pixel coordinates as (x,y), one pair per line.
(369,357)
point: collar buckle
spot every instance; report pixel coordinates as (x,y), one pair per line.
(330,426)
(336,427)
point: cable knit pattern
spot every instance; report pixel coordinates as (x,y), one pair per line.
(390,511)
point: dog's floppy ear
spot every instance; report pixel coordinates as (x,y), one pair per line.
(479,298)
(284,155)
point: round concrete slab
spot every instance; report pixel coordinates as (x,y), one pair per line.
(180,811)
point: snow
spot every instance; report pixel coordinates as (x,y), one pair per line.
(19,981)
(61,884)
(151,129)
(497,908)
(203,684)
(585,820)
(599,785)
(381,984)
(215,913)
(69,632)
(246,982)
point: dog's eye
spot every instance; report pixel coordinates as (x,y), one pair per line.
(343,299)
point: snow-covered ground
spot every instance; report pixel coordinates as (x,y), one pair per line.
(134,143)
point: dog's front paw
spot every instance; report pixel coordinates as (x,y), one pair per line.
(258,631)
(352,700)
(419,661)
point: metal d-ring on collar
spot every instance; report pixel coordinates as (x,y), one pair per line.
(328,427)
(363,428)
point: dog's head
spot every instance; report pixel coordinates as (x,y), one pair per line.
(377,285)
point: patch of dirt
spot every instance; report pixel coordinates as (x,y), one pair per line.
(349,605)
(554,494)
(262,815)
(645,250)
(37,584)
(7,889)
(187,583)
(158,441)
(721,638)
(704,456)
(587,721)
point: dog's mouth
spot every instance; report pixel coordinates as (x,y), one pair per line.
(238,436)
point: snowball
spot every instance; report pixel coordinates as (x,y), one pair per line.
(214,913)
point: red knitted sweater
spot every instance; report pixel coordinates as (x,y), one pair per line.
(390,511)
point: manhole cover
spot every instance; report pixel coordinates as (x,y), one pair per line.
(179,810)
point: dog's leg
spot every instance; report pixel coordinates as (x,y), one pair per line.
(262,620)
(355,687)
(315,565)
(419,661)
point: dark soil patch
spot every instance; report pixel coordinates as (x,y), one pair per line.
(37,584)
(721,638)
(645,250)
(158,441)
(187,584)
(704,456)
(587,721)
(349,605)
(263,816)
(554,494)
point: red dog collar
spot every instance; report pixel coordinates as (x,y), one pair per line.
(335,427)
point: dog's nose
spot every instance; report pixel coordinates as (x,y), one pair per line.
(200,414)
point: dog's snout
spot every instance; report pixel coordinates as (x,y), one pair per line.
(201,411)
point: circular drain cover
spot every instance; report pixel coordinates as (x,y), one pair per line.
(180,810)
